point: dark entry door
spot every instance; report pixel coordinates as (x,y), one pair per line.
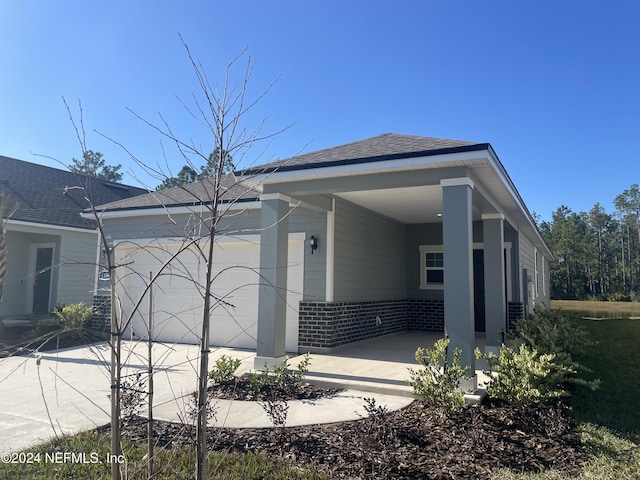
(42,281)
(478,290)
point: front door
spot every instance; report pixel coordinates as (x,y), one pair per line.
(42,280)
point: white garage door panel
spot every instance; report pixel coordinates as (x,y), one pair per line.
(177,293)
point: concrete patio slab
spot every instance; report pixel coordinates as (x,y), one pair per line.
(379,365)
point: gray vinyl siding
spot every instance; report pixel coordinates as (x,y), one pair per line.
(543,298)
(78,255)
(14,295)
(540,282)
(16,299)
(527,262)
(369,255)
(511,236)
(148,226)
(235,223)
(539,277)
(547,281)
(315,279)
(72,276)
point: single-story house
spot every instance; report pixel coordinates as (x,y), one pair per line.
(51,249)
(382,235)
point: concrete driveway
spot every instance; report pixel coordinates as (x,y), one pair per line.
(68,391)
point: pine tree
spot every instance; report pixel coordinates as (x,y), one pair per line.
(94,165)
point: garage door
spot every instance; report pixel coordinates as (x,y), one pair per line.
(177,299)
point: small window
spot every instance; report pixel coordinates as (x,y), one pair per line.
(431,267)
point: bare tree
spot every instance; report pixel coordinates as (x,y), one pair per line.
(120,319)
(219,110)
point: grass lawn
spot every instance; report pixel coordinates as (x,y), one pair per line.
(609,418)
(597,309)
(48,462)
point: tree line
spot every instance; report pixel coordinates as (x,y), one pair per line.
(93,164)
(597,254)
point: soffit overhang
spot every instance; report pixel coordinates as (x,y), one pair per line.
(408,190)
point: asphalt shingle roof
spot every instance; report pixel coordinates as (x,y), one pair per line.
(190,194)
(388,146)
(41,194)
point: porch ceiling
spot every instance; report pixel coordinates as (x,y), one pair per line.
(418,204)
(408,190)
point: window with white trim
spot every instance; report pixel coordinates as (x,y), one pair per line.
(431,267)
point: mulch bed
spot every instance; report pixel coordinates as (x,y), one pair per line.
(415,442)
(241,389)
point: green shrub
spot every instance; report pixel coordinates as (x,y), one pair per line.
(285,377)
(616,297)
(279,379)
(523,376)
(551,331)
(224,370)
(75,316)
(439,381)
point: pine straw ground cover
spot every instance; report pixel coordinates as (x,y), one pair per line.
(415,442)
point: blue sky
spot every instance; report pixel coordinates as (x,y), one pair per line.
(553,86)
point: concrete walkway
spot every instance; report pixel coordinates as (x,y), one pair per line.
(69,392)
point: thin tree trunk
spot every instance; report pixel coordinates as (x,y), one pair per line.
(201,445)
(3,245)
(630,274)
(115,372)
(201,427)
(150,373)
(624,282)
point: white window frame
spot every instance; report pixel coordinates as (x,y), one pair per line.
(476,246)
(424,249)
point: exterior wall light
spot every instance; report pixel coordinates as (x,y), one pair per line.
(313,243)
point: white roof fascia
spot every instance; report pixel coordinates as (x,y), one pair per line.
(136,212)
(416,163)
(21,223)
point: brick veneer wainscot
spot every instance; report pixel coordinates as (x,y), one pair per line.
(331,324)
